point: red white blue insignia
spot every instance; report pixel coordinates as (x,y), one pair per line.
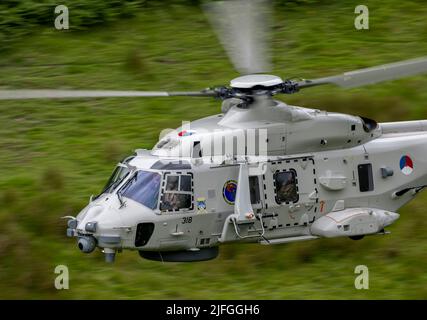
(186,133)
(406,165)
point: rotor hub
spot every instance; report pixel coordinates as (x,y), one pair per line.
(255,80)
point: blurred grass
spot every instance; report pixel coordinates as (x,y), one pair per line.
(54,154)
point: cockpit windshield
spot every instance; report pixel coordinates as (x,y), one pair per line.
(119,173)
(143,187)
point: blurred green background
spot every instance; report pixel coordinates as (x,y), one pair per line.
(55,154)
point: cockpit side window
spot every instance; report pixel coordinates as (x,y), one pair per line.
(143,187)
(185,183)
(172,183)
(178,192)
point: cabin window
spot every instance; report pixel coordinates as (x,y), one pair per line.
(286,186)
(254,190)
(177,194)
(366,180)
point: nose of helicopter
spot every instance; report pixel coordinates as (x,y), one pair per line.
(88,214)
(97,226)
(109,224)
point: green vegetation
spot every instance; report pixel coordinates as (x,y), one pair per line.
(20,17)
(55,154)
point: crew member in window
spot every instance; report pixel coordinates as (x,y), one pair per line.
(172,184)
(287,190)
(171,201)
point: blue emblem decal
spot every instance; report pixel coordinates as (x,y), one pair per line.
(229,191)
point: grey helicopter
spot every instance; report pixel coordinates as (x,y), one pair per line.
(260,171)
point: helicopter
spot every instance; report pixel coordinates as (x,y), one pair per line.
(260,171)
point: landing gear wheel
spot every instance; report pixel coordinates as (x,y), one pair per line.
(357,237)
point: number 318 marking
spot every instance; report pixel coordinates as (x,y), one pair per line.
(187,220)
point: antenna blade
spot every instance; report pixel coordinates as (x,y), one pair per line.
(78,94)
(243,29)
(372,75)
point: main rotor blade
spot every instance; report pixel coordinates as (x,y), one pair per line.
(372,75)
(77,94)
(243,29)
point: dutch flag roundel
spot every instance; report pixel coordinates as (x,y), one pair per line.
(406,165)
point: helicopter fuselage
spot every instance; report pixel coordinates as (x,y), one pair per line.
(328,185)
